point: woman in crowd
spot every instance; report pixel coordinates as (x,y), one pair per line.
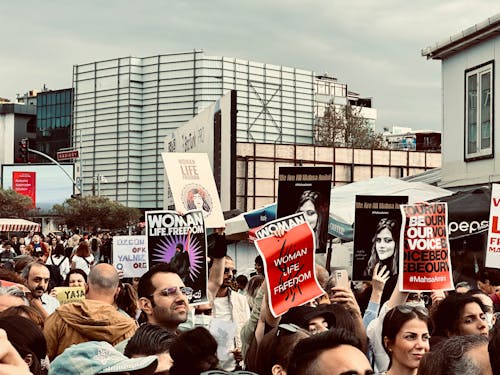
(405,335)
(253,287)
(458,315)
(59,259)
(385,245)
(25,311)
(76,278)
(313,207)
(82,259)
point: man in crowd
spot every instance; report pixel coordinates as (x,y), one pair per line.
(163,297)
(228,305)
(37,277)
(332,352)
(95,318)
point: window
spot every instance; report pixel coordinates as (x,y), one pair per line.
(479,111)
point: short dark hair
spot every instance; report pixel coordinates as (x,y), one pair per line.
(75,270)
(307,351)
(145,287)
(149,339)
(446,317)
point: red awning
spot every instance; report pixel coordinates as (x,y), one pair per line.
(18,225)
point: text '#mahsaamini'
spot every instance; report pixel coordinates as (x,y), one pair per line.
(165,224)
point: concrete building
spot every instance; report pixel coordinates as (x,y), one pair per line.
(470,140)
(124,108)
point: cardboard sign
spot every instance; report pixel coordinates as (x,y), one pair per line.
(288,263)
(130,255)
(307,190)
(193,186)
(67,294)
(493,247)
(377,225)
(425,260)
(181,241)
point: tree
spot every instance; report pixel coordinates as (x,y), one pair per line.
(346,127)
(14,205)
(92,212)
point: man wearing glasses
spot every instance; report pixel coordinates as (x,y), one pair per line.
(163,297)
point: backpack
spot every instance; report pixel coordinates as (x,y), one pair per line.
(55,274)
(94,245)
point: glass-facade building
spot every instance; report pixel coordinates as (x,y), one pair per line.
(53,122)
(124,108)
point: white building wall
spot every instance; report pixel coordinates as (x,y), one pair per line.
(457,172)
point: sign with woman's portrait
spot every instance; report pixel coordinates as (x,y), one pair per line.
(377,225)
(307,190)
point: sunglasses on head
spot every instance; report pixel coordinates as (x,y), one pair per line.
(287,328)
(174,290)
(229,270)
(407,309)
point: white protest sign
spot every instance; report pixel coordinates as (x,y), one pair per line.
(130,255)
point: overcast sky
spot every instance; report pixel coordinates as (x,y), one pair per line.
(372,45)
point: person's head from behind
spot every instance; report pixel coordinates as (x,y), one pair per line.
(193,352)
(489,280)
(275,349)
(149,340)
(458,355)
(25,311)
(332,352)
(103,283)
(385,243)
(459,314)
(494,350)
(27,338)
(308,204)
(405,335)
(12,296)
(76,278)
(163,297)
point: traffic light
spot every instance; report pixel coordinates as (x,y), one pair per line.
(23,149)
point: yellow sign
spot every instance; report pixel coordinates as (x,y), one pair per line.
(66,294)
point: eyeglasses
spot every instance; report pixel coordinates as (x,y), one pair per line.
(229,270)
(416,297)
(288,328)
(174,290)
(203,312)
(407,309)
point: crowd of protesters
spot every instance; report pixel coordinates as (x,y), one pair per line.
(145,325)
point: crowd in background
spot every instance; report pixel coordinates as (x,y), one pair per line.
(146,325)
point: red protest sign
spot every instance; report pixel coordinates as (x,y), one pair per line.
(288,263)
(425,260)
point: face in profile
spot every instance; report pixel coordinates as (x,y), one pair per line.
(310,213)
(384,244)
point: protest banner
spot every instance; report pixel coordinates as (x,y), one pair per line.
(377,224)
(181,241)
(69,294)
(493,248)
(193,186)
(288,263)
(307,189)
(424,263)
(130,255)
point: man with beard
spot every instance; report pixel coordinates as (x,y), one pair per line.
(228,305)
(37,277)
(163,297)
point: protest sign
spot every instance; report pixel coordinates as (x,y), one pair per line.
(130,255)
(288,263)
(493,247)
(193,186)
(377,224)
(181,241)
(425,262)
(68,294)
(307,189)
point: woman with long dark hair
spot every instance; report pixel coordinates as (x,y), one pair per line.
(313,207)
(385,247)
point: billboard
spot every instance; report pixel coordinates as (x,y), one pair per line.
(52,186)
(212,131)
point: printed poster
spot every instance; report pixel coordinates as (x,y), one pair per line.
(68,294)
(493,247)
(307,190)
(193,186)
(377,224)
(288,263)
(425,260)
(25,183)
(130,255)
(181,241)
